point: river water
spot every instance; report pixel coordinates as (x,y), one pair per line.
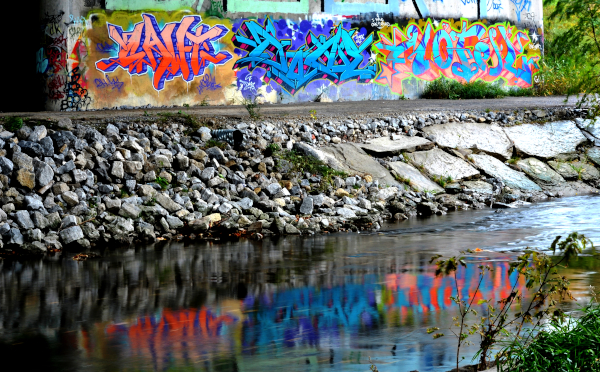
(321,303)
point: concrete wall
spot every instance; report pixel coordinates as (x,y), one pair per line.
(95,54)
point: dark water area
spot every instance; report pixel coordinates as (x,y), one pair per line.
(316,303)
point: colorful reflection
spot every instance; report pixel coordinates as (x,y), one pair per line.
(298,320)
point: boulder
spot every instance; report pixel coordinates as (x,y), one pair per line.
(319,154)
(575,170)
(475,136)
(306,208)
(129,210)
(71,234)
(437,162)
(38,133)
(415,179)
(594,155)
(23,220)
(543,175)
(547,140)
(510,177)
(480,187)
(167,203)
(384,146)
(43,173)
(346,213)
(354,160)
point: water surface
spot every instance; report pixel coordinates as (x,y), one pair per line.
(317,303)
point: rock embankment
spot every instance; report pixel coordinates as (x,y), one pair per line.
(131,179)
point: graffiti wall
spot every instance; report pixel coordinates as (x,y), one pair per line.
(132,53)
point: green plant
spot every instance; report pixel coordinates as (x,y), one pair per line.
(570,345)
(403,98)
(308,164)
(13,124)
(578,169)
(443,180)
(253,108)
(514,160)
(214,143)
(313,114)
(273,147)
(123,193)
(187,105)
(204,102)
(162,182)
(444,88)
(546,289)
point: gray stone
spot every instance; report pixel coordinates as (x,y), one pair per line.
(90,231)
(548,140)
(594,155)
(145,229)
(541,173)
(245,203)
(71,234)
(79,175)
(480,187)
(208,173)
(13,237)
(384,146)
(415,178)
(68,221)
(34,235)
(70,198)
(53,220)
(307,206)
(117,169)
(43,173)
(273,189)
(3,215)
(291,229)
(129,210)
(174,222)
(22,161)
(592,126)
(216,153)
(38,133)
(112,204)
(51,241)
(437,162)
(510,177)
(33,204)
(121,228)
(47,146)
(4,228)
(66,168)
(167,203)
(31,148)
(6,166)
(23,220)
(35,247)
(476,136)
(204,133)
(346,213)
(39,220)
(354,160)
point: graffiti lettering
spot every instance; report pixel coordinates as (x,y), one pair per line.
(42,63)
(106,48)
(472,53)
(208,83)
(520,6)
(55,87)
(108,82)
(81,20)
(380,22)
(178,49)
(335,57)
(52,23)
(75,32)
(76,98)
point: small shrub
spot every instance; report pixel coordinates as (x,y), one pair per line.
(204,102)
(162,182)
(214,143)
(253,108)
(13,124)
(514,160)
(444,88)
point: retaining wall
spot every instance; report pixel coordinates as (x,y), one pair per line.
(96,54)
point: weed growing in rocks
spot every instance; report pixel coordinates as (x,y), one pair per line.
(162,182)
(514,160)
(308,164)
(253,108)
(13,124)
(546,289)
(214,143)
(443,180)
(578,169)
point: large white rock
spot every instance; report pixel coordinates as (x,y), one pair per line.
(354,160)
(485,137)
(511,178)
(387,146)
(541,172)
(417,180)
(437,162)
(546,141)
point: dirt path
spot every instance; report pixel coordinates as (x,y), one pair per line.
(325,109)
